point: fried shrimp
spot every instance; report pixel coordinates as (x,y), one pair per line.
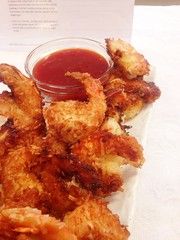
(93,220)
(87,178)
(127,98)
(20,187)
(18,149)
(127,60)
(21,139)
(98,146)
(64,194)
(26,112)
(73,119)
(106,153)
(29,224)
(70,183)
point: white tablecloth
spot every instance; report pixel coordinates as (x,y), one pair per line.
(157,211)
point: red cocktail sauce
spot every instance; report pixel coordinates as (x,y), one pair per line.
(51,71)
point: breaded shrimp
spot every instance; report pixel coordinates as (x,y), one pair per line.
(107,153)
(70,183)
(147,91)
(20,186)
(73,119)
(127,98)
(23,105)
(127,60)
(88,178)
(23,108)
(93,220)
(64,195)
(102,148)
(30,223)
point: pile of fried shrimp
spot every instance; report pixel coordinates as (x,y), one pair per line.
(59,162)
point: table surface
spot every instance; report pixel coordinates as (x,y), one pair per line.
(156,32)
(157,212)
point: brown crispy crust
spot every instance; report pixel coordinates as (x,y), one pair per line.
(64,196)
(93,220)
(101,143)
(72,120)
(26,112)
(95,181)
(147,91)
(87,177)
(20,187)
(128,97)
(97,153)
(127,60)
(29,223)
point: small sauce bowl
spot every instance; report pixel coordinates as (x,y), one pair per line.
(42,59)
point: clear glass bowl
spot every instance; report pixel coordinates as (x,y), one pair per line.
(52,92)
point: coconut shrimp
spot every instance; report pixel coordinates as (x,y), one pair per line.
(23,108)
(21,138)
(20,186)
(64,194)
(88,180)
(107,152)
(102,143)
(74,119)
(29,223)
(129,97)
(93,220)
(127,60)
(23,105)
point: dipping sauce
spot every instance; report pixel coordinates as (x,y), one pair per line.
(51,71)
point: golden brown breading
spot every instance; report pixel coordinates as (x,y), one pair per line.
(102,146)
(127,98)
(123,106)
(54,144)
(12,140)
(89,177)
(73,182)
(93,220)
(6,137)
(23,108)
(129,62)
(30,223)
(147,91)
(22,139)
(20,186)
(64,195)
(73,119)
(106,153)
(26,112)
